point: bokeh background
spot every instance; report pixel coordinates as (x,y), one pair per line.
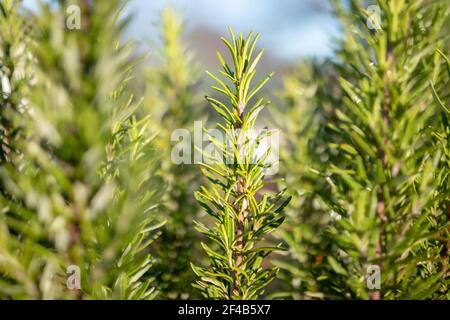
(291,31)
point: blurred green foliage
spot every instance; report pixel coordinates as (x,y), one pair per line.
(84,190)
(171,97)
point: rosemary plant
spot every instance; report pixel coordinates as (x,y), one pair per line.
(172,100)
(382,170)
(15,58)
(234,198)
(78,213)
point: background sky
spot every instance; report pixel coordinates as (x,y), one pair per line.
(290,29)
